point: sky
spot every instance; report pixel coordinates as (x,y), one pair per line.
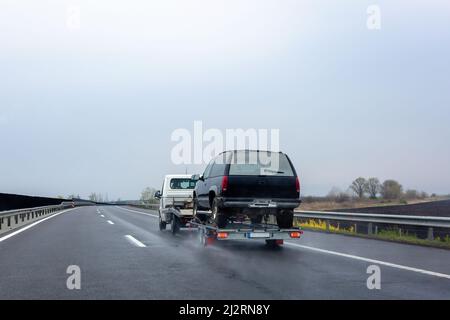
(91,91)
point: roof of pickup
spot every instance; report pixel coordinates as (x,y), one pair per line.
(172,176)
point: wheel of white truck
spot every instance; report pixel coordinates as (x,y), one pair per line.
(162,224)
(175,226)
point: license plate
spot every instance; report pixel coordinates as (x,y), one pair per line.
(261,203)
(259,235)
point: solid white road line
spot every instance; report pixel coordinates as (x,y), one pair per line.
(146,214)
(110,222)
(32,225)
(135,241)
(378,262)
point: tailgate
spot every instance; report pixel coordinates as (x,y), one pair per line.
(262,187)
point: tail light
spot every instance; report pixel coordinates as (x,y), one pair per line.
(296,234)
(224,183)
(222,235)
(297,184)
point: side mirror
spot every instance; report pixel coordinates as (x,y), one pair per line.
(197,177)
(158,194)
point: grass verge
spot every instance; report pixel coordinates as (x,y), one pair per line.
(394,235)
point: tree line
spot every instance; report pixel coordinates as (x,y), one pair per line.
(98,197)
(388,190)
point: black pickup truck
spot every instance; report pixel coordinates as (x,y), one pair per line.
(248,183)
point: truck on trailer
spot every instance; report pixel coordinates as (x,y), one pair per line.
(248,183)
(245,195)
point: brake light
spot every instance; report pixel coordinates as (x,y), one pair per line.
(222,235)
(297,184)
(296,234)
(224,183)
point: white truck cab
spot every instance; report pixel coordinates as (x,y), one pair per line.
(176,200)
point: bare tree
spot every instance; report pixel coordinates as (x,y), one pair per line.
(337,195)
(333,194)
(423,195)
(148,195)
(411,194)
(373,187)
(358,187)
(93,197)
(391,189)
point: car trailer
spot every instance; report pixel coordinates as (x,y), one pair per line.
(272,234)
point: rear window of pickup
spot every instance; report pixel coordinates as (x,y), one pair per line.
(253,163)
(182,184)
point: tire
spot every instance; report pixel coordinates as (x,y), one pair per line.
(175,225)
(285,219)
(202,218)
(162,224)
(272,244)
(219,217)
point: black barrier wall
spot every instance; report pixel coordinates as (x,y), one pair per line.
(15,201)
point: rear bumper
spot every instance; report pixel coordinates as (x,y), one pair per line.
(245,203)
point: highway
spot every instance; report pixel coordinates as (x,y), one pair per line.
(123,255)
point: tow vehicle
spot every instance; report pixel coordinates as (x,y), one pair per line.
(176,202)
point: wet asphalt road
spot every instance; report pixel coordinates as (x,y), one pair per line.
(156,265)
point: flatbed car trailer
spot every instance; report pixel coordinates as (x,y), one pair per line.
(272,234)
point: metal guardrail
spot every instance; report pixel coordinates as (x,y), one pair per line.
(153,206)
(372,219)
(12,219)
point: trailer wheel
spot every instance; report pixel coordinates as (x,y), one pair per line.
(175,226)
(219,217)
(274,243)
(285,219)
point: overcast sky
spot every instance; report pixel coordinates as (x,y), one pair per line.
(91,107)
